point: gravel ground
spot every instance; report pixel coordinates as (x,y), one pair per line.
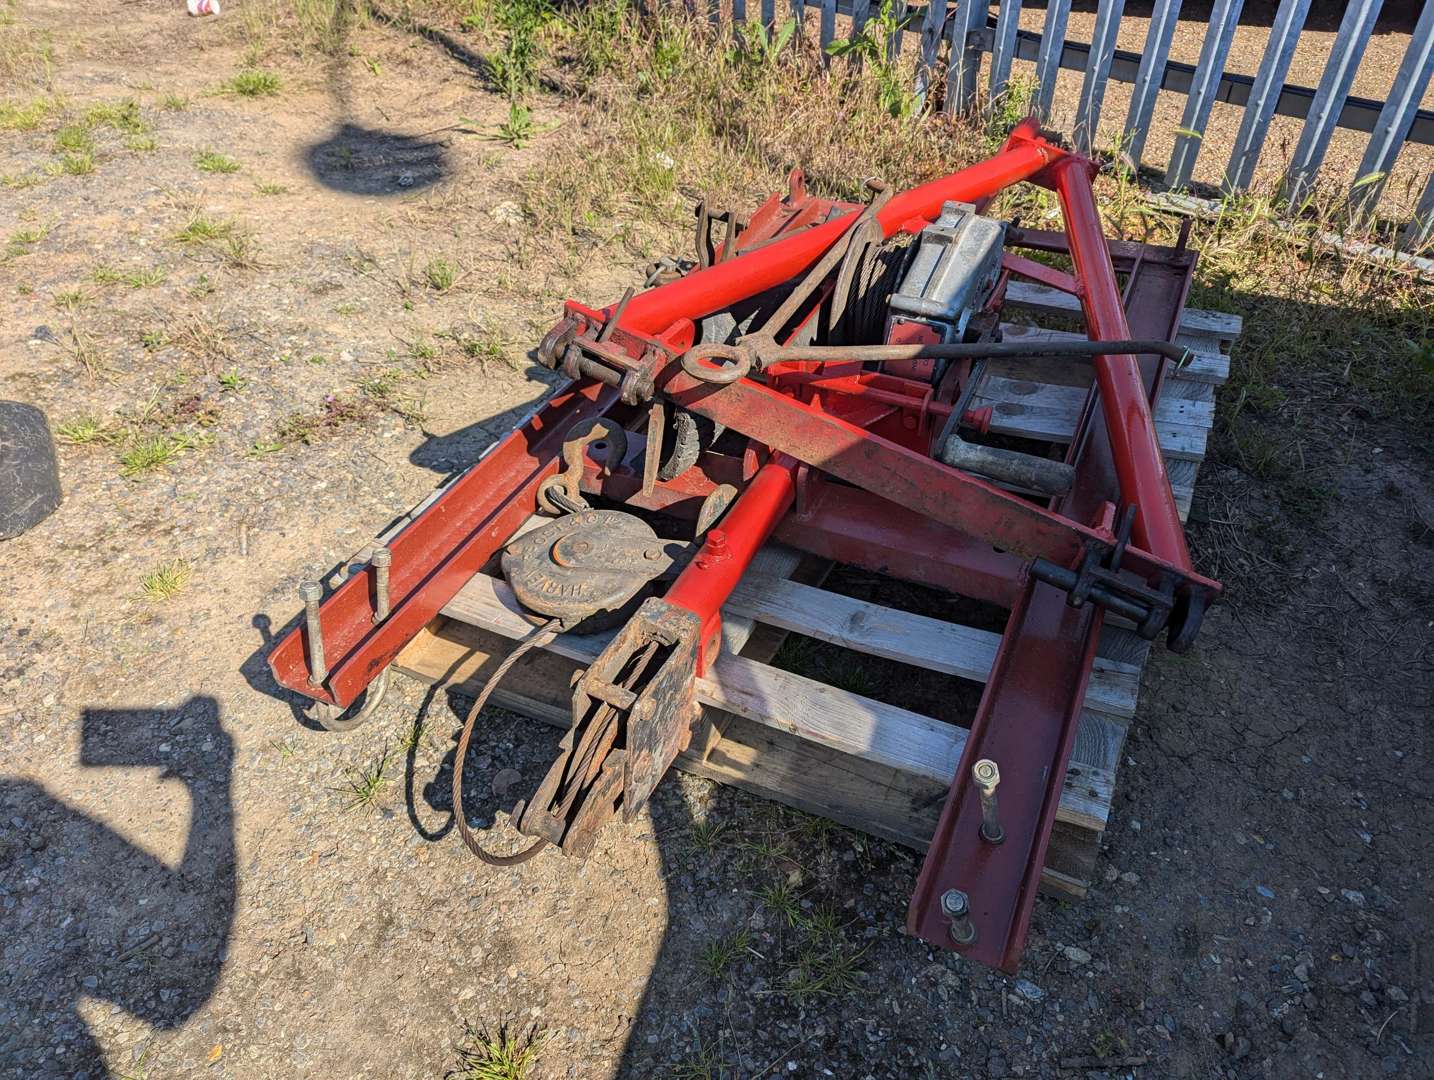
(194,881)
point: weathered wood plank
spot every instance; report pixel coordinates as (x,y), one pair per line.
(874,799)
(1028,294)
(843,721)
(1034,410)
(963,651)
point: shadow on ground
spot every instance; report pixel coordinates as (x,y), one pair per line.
(140,935)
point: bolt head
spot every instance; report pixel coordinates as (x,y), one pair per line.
(954,904)
(381,557)
(986,775)
(310,590)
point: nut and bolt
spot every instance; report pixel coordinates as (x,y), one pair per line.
(987,776)
(381,560)
(956,907)
(311,592)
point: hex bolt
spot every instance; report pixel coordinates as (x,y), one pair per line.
(381,559)
(956,907)
(987,776)
(310,592)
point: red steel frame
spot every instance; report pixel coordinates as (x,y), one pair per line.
(905,513)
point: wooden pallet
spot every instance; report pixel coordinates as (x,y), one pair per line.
(865,763)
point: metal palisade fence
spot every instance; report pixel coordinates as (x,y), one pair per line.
(954,35)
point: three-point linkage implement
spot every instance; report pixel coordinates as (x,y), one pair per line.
(812,377)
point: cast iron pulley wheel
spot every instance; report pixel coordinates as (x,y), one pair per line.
(29,473)
(687,436)
(332,718)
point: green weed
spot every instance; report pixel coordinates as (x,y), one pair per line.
(149,452)
(253,82)
(717,956)
(500,1055)
(200,229)
(142,278)
(166,580)
(25,116)
(439,275)
(211,161)
(365,787)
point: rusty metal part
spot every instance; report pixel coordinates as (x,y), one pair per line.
(600,433)
(986,776)
(1028,471)
(957,908)
(587,567)
(713,507)
(696,361)
(381,560)
(652,452)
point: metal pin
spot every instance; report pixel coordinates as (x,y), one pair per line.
(310,592)
(380,560)
(987,776)
(957,908)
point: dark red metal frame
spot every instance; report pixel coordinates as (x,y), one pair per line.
(897,510)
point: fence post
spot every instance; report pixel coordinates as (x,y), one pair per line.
(1003,49)
(1354,30)
(739,16)
(1223,19)
(769,14)
(965,56)
(1397,116)
(1269,82)
(1048,61)
(1420,229)
(1092,88)
(800,14)
(1148,78)
(893,40)
(931,31)
(828,28)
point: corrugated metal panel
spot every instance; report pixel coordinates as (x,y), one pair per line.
(1149,77)
(1003,49)
(965,56)
(1269,80)
(1397,116)
(1223,19)
(931,28)
(1349,43)
(1420,230)
(1092,88)
(1048,60)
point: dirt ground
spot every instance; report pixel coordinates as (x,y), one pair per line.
(195,882)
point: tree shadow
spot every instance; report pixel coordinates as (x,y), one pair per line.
(140,934)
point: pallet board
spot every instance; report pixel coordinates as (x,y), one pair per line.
(866,763)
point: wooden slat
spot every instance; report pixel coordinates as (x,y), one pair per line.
(799,13)
(1097,73)
(850,723)
(1148,77)
(933,644)
(1269,81)
(1032,410)
(739,15)
(1397,116)
(1334,84)
(1421,226)
(860,13)
(1029,295)
(828,26)
(1048,60)
(769,14)
(763,761)
(1224,16)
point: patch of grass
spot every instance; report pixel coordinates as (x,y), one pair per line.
(75,139)
(783,899)
(20,181)
(707,835)
(29,236)
(211,161)
(84,352)
(166,580)
(517,129)
(122,116)
(439,275)
(239,252)
(71,300)
(174,102)
(717,956)
(154,339)
(231,382)
(824,967)
(262,448)
(81,431)
(253,83)
(201,229)
(264,187)
(77,164)
(144,277)
(146,453)
(141,144)
(26,115)
(365,787)
(499,1056)
(201,336)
